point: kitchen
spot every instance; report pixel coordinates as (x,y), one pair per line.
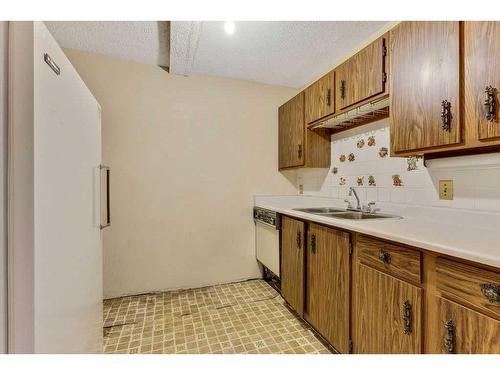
(171,187)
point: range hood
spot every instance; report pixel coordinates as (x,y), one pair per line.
(369,112)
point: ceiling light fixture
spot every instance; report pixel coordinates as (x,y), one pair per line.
(229,27)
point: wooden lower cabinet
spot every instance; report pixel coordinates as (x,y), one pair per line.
(292,263)
(381,302)
(463,331)
(327,284)
(388,314)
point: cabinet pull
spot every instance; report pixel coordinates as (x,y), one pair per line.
(299,240)
(491,292)
(313,243)
(299,151)
(407,317)
(490,104)
(329,97)
(384,256)
(449,337)
(342,89)
(446,115)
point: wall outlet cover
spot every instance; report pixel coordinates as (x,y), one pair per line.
(446,189)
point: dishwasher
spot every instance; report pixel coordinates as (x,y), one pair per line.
(267,238)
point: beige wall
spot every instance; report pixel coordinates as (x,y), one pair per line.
(187,154)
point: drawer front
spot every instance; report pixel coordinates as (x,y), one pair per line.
(469,284)
(393,259)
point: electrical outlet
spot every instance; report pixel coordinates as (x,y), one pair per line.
(301,189)
(446,189)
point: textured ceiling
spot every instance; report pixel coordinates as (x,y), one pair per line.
(141,41)
(275,52)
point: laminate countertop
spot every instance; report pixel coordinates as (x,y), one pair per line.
(466,234)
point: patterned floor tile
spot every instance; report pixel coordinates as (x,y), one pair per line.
(246,317)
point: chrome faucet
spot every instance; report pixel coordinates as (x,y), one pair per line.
(353,191)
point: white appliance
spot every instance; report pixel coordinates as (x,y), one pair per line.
(267,247)
(56,187)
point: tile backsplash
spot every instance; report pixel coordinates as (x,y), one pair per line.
(360,158)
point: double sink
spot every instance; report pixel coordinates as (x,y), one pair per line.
(339,213)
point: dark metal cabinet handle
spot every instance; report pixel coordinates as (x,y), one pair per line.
(384,256)
(449,337)
(313,243)
(490,104)
(107,222)
(407,317)
(299,151)
(446,115)
(342,89)
(299,240)
(329,97)
(491,291)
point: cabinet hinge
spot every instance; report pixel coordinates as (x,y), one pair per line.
(350,346)
(384,77)
(350,247)
(384,51)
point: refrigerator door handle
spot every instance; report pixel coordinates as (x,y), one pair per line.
(105,171)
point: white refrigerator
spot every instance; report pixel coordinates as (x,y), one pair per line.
(58,200)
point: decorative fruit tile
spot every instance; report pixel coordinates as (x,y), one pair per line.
(360,143)
(360,180)
(342,158)
(342,181)
(396,180)
(382,152)
(371,181)
(351,157)
(412,163)
(371,141)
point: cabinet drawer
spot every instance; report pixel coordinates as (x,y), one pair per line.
(469,284)
(392,259)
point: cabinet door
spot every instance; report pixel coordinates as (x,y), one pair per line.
(319,98)
(362,76)
(389,314)
(482,70)
(292,263)
(424,81)
(327,293)
(464,331)
(291,132)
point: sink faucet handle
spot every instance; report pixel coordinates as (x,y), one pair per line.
(371,207)
(349,205)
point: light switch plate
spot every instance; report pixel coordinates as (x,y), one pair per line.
(446,189)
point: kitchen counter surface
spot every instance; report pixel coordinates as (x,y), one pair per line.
(466,234)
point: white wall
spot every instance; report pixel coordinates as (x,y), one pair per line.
(4,38)
(187,155)
(476,188)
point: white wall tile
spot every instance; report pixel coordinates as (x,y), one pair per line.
(473,188)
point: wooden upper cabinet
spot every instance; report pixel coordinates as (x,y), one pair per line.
(327,284)
(297,145)
(291,132)
(482,79)
(362,76)
(424,85)
(464,331)
(388,314)
(319,98)
(292,262)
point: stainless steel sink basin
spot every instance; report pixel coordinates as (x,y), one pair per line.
(355,215)
(320,210)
